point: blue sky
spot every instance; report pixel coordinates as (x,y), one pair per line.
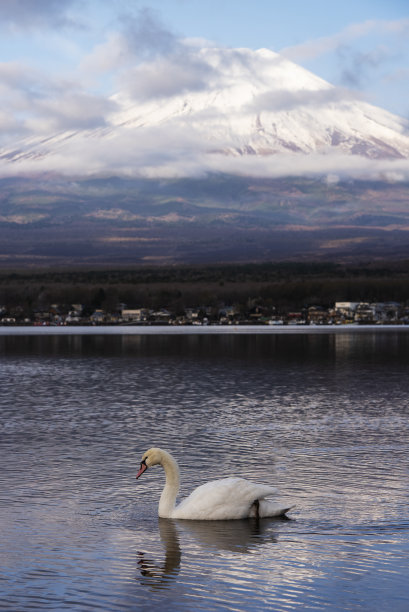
(61,60)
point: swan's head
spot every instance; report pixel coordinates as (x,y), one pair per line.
(151,457)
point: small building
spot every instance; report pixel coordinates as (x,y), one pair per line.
(98,317)
(192,314)
(317,315)
(387,312)
(160,316)
(295,318)
(134,315)
(74,315)
(365,313)
(346,308)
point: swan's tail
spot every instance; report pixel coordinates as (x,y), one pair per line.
(263,508)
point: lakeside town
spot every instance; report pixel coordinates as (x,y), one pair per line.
(341,313)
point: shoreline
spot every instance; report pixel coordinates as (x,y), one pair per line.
(79,330)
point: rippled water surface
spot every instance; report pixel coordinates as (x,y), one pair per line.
(322,416)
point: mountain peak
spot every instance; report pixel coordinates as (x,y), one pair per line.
(228,103)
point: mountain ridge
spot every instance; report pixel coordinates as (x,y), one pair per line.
(221,218)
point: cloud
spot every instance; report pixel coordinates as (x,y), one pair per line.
(9,126)
(361,56)
(148,61)
(17,76)
(110,55)
(38,104)
(42,103)
(72,111)
(20,89)
(167,77)
(171,153)
(357,65)
(30,14)
(146,35)
(326,44)
(138,38)
(293,164)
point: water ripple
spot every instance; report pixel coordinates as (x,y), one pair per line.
(323,418)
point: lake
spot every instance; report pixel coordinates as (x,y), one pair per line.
(321,414)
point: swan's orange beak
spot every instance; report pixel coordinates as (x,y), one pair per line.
(142,469)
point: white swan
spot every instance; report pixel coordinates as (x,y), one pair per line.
(229,498)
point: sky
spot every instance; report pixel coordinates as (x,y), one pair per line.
(61,61)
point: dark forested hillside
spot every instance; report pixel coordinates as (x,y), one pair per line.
(284,285)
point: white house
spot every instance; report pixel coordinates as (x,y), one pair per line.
(346,308)
(135,315)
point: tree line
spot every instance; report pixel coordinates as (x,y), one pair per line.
(280,285)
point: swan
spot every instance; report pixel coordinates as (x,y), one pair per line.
(225,499)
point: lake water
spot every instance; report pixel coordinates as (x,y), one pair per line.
(322,416)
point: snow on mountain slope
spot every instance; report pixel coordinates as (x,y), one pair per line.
(266,104)
(256,104)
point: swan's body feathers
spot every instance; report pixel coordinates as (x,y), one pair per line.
(229,498)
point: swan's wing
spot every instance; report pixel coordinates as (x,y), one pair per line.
(229,498)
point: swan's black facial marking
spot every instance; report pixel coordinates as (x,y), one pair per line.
(142,468)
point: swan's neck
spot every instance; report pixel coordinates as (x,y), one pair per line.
(168,498)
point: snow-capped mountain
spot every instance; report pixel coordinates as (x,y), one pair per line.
(254,104)
(266,104)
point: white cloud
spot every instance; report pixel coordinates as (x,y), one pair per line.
(38,104)
(73,111)
(326,44)
(166,77)
(171,152)
(147,61)
(109,55)
(9,126)
(138,39)
(364,56)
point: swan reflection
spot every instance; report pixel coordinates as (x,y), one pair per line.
(156,576)
(235,536)
(239,536)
